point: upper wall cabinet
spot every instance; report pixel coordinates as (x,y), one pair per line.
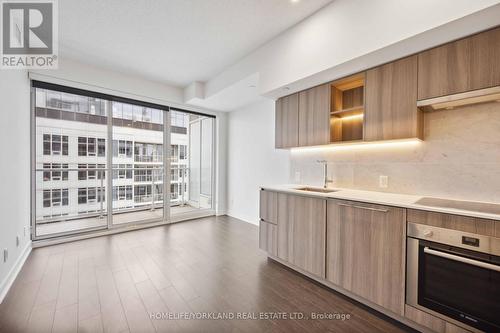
(347,108)
(314,115)
(464,65)
(287,121)
(391,101)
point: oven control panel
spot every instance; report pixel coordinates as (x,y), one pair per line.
(471,241)
(466,240)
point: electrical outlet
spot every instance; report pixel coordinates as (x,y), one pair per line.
(5,255)
(17,241)
(383,181)
(297,177)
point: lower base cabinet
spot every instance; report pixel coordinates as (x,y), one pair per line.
(268,237)
(302,232)
(365,251)
(357,246)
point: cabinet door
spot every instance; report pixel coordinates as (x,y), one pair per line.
(365,251)
(314,116)
(302,232)
(467,64)
(269,206)
(268,237)
(287,122)
(391,101)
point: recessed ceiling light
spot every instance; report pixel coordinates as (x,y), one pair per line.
(294,1)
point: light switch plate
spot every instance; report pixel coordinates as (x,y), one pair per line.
(383,181)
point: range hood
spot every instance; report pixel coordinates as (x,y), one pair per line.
(455,100)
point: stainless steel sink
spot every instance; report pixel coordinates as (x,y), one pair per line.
(315,189)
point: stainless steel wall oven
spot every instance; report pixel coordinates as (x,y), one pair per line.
(454,275)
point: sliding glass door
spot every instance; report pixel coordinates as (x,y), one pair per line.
(191,163)
(137,164)
(70,163)
(102,162)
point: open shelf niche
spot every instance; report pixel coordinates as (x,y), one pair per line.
(347,109)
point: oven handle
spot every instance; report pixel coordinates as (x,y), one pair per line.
(462,259)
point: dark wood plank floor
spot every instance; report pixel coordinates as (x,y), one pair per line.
(211,265)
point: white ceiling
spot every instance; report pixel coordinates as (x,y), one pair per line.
(173,41)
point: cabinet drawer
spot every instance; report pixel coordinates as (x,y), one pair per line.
(456,222)
(268,206)
(268,237)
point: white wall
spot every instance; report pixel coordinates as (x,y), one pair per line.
(252,159)
(14,170)
(80,75)
(350,35)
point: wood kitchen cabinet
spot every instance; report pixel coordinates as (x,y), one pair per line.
(302,232)
(391,102)
(365,251)
(287,121)
(268,237)
(467,64)
(314,116)
(268,206)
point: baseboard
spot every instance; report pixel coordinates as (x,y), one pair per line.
(11,276)
(243,218)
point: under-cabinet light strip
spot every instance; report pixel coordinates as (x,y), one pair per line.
(360,145)
(356,116)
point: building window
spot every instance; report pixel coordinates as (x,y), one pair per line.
(179,119)
(145,173)
(143,194)
(122,148)
(122,171)
(57,173)
(89,195)
(91,171)
(148,152)
(54,144)
(97,106)
(101,147)
(174,174)
(174,191)
(121,193)
(91,146)
(55,198)
(182,152)
(174,153)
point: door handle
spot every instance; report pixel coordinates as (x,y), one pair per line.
(373,209)
(362,207)
(462,259)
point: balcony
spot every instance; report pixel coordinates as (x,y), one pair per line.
(68,202)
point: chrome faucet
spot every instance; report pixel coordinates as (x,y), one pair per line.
(325,168)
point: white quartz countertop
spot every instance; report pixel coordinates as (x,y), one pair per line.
(381,198)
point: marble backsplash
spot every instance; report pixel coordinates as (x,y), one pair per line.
(459,158)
